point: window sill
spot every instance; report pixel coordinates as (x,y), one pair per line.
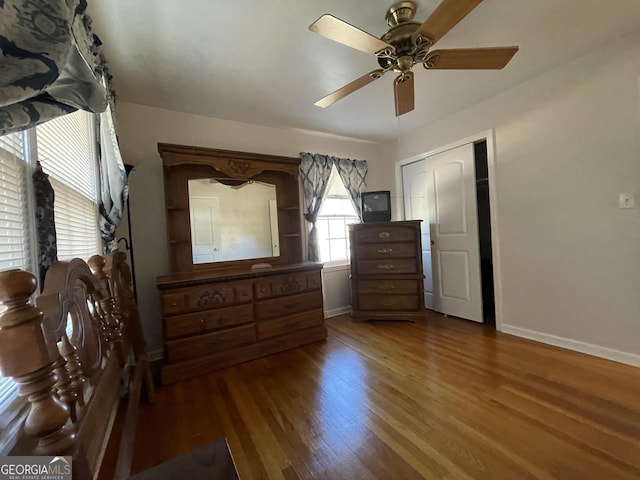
(336,266)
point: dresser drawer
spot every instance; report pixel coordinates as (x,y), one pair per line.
(287,284)
(283,326)
(384,234)
(204,298)
(388,302)
(401,287)
(218,295)
(386,250)
(314,280)
(208,344)
(386,267)
(173,303)
(289,305)
(281,285)
(190,323)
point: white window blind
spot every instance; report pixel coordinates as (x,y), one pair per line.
(66,150)
(15,251)
(335,214)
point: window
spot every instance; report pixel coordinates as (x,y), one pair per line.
(66,149)
(15,220)
(335,214)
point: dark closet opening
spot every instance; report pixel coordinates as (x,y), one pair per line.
(484,232)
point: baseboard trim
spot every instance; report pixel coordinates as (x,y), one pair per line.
(337,311)
(576,345)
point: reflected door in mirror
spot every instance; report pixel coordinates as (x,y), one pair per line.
(232,219)
(205,228)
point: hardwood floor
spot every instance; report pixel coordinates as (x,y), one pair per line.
(439,399)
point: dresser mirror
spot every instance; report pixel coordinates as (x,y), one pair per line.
(230,210)
(232,219)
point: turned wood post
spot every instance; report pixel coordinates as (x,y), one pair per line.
(28,356)
(123,291)
(108,305)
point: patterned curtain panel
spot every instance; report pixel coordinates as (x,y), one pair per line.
(315,170)
(50,65)
(45,222)
(113,182)
(353,174)
(49,62)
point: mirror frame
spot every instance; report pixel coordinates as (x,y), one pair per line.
(183,163)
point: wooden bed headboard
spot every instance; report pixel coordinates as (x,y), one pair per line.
(74,353)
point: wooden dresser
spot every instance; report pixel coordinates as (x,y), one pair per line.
(386,271)
(222,311)
(216,319)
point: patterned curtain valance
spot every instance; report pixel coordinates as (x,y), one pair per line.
(49,62)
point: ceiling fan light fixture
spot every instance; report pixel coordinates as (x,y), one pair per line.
(404,64)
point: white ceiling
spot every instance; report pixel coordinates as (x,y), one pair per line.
(255,61)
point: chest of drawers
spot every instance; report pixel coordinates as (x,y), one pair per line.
(215,319)
(386,271)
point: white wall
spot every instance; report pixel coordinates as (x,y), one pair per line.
(566,144)
(140,128)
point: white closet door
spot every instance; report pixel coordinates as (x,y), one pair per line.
(452,223)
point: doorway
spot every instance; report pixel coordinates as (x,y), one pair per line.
(449,191)
(484,232)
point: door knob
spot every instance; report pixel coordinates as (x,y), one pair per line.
(432,242)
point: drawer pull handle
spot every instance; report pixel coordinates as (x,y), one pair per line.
(174,304)
(386,288)
(388,304)
(263,290)
(384,235)
(384,251)
(204,324)
(386,266)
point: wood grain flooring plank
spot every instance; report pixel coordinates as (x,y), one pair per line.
(440,398)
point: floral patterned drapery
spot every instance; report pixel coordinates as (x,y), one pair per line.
(353,174)
(49,62)
(50,65)
(315,170)
(113,183)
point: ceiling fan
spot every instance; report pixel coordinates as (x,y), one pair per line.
(407,43)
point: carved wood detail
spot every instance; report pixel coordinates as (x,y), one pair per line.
(61,354)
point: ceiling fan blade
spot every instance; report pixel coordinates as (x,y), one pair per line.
(345,33)
(492,58)
(333,97)
(445,17)
(404,93)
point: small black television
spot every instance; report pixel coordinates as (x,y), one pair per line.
(376,206)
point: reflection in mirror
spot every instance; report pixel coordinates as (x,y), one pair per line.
(234,220)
